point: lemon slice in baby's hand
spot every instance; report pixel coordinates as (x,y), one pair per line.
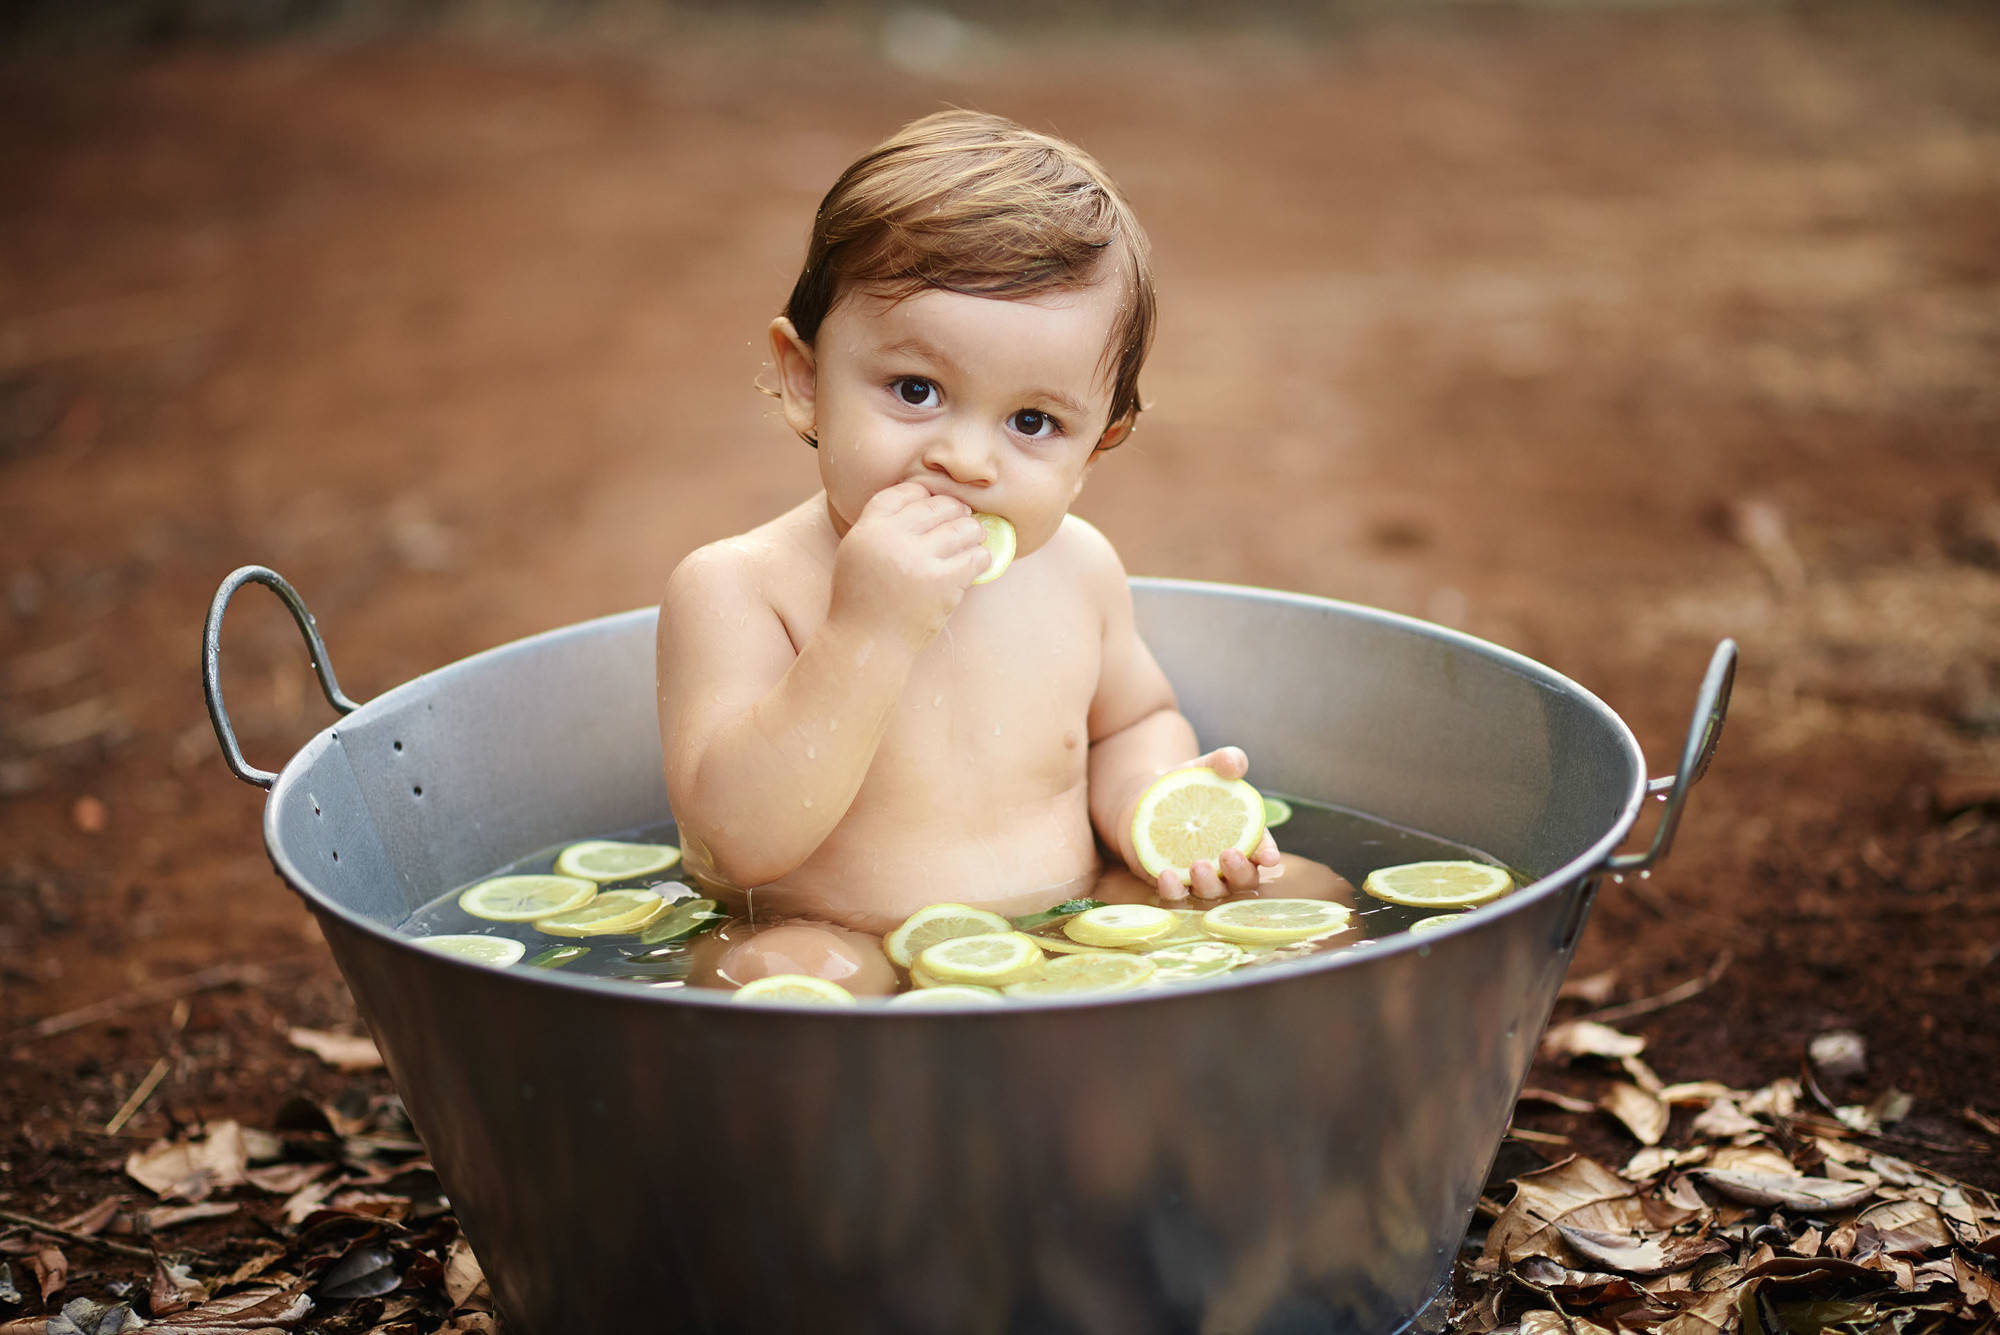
(1195,815)
(999,540)
(526,898)
(1439,885)
(940,922)
(793,989)
(610,914)
(495,950)
(1273,922)
(1084,975)
(1120,925)
(609,860)
(991,960)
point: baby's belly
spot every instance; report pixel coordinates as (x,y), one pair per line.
(880,866)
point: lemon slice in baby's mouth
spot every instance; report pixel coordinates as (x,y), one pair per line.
(999,540)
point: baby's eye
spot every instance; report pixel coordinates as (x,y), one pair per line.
(916,391)
(1032,423)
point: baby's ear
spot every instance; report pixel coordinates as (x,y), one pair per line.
(798,376)
(1115,434)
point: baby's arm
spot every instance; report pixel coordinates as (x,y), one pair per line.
(767,746)
(1137,733)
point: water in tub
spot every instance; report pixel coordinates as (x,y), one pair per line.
(604,909)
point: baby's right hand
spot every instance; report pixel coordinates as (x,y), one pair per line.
(905,564)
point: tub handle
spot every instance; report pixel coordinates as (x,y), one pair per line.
(1703,733)
(211,664)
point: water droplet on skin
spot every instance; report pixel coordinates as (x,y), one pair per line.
(809,801)
(996,730)
(936,700)
(812,753)
(833,725)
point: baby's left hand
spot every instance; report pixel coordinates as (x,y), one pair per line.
(1237,873)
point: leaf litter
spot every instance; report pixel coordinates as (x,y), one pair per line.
(1771,1219)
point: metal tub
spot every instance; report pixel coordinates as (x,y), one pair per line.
(1295,1150)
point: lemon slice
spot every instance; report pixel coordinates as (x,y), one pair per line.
(1195,814)
(609,860)
(994,960)
(1435,922)
(611,913)
(999,540)
(1439,885)
(1195,959)
(1187,927)
(940,922)
(793,989)
(1084,975)
(526,898)
(946,994)
(1274,921)
(1120,925)
(496,950)
(1062,945)
(1276,811)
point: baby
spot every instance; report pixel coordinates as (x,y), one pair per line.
(853,727)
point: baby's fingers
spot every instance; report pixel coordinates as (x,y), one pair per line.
(1228,761)
(1267,854)
(1208,883)
(1239,873)
(1171,886)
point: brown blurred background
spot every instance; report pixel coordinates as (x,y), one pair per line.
(1599,331)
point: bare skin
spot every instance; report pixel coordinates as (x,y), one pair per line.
(850,725)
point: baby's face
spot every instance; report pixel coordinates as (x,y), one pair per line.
(998,403)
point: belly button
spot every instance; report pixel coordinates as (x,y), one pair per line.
(1069,741)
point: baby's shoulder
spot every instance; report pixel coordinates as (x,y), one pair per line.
(1088,554)
(748,568)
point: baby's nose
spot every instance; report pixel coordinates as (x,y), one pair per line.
(964,456)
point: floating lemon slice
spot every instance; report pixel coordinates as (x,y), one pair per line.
(944,995)
(940,922)
(1436,922)
(610,914)
(1274,921)
(526,898)
(1439,885)
(557,956)
(1120,925)
(793,989)
(495,950)
(1084,975)
(999,540)
(1062,945)
(993,960)
(609,860)
(1276,811)
(1193,815)
(1195,959)
(1187,927)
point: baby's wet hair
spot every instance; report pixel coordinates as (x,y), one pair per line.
(973,203)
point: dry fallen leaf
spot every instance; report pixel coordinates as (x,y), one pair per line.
(1796,1193)
(191,1169)
(1588,1038)
(464,1280)
(343,1052)
(1643,1114)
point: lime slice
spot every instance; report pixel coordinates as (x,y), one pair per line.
(993,960)
(1274,921)
(557,956)
(1192,815)
(999,540)
(526,898)
(1120,925)
(945,995)
(681,921)
(1276,811)
(609,860)
(1084,975)
(793,989)
(1436,922)
(940,922)
(610,914)
(1187,927)
(1195,959)
(1439,885)
(496,950)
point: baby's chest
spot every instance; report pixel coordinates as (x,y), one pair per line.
(1003,693)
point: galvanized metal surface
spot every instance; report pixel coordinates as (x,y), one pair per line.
(1294,1151)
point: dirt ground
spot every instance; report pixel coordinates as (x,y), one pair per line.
(1601,336)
